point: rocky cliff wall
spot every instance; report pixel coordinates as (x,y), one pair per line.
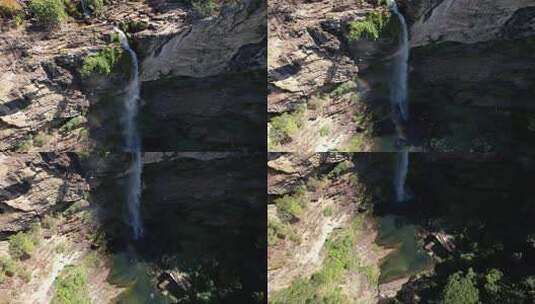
(470,21)
(34,184)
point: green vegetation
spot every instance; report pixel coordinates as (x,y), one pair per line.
(461,289)
(341,168)
(71,286)
(11,9)
(324,131)
(22,244)
(316,103)
(283,127)
(279,231)
(132,26)
(24,145)
(354,144)
(101,62)
(96,7)
(370,28)
(49,222)
(10,268)
(49,13)
(323,286)
(344,88)
(204,7)
(40,139)
(72,124)
(290,207)
(316,184)
(328,211)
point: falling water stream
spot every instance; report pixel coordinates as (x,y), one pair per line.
(402,167)
(398,98)
(84,8)
(132,142)
(399,79)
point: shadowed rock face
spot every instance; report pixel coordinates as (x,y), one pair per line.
(34,184)
(472,74)
(222,113)
(203,214)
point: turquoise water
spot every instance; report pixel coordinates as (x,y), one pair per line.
(133,275)
(408,256)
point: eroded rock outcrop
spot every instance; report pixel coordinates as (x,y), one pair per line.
(232,41)
(307,50)
(470,21)
(287,170)
(33,184)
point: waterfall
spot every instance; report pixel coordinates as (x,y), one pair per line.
(400,177)
(398,85)
(398,99)
(132,142)
(84,8)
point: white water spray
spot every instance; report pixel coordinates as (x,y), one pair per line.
(398,85)
(132,142)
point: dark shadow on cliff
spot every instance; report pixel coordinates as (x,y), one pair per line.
(221,113)
(204,221)
(483,201)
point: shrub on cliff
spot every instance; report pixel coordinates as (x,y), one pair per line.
(102,62)
(21,245)
(71,286)
(370,28)
(204,7)
(461,289)
(49,13)
(283,127)
(11,9)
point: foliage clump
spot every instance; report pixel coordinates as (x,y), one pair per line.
(341,168)
(11,9)
(279,231)
(461,289)
(290,207)
(96,7)
(72,124)
(283,127)
(370,27)
(102,62)
(323,286)
(204,8)
(22,245)
(49,13)
(71,286)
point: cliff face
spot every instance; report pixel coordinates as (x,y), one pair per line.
(232,41)
(312,74)
(469,21)
(34,184)
(46,104)
(472,73)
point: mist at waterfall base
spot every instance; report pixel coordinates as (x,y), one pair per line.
(132,142)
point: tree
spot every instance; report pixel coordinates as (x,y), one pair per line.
(461,289)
